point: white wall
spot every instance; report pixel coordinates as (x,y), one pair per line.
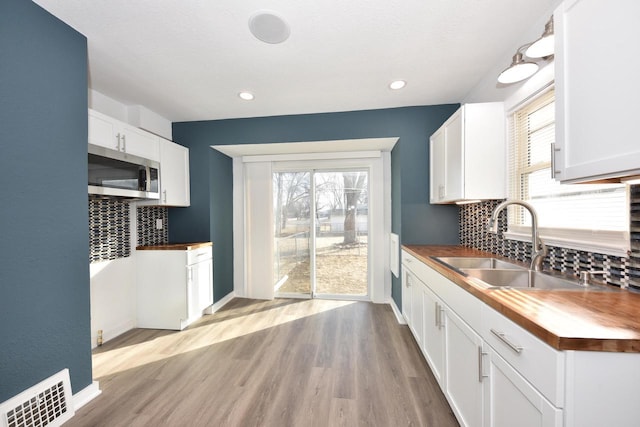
(113,292)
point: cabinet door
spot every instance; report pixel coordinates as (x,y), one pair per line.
(204,277)
(140,143)
(596,131)
(174,174)
(433,333)
(437,166)
(454,161)
(512,401)
(103,131)
(406,295)
(416,308)
(464,383)
(193,293)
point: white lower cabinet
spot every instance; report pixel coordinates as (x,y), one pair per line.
(433,333)
(511,400)
(407,294)
(494,373)
(417,314)
(412,304)
(450,346)
(173,287)
(463,365)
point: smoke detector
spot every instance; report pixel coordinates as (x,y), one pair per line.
(269,27)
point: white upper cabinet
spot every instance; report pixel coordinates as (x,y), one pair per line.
(467,155)
(116,135)
(174,174)
(596,89)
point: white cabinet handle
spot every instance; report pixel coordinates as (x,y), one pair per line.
(437,313)
(164,196)
(481,373)
(118,138)
(501,336)
(124,143)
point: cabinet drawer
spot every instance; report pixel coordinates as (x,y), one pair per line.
(197,255)
(460,301)
(540,364)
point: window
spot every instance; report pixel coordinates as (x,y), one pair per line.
(580,216)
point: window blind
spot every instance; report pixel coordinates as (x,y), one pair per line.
(585,212)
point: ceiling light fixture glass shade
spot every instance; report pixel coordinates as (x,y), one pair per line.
(544,46)
(247,96)
(518,70)
(397,84)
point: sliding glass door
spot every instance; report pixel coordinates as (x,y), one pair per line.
(292,236)
(321,233)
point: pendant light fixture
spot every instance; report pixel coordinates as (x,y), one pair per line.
(518,70)
(521,68)
(543,47)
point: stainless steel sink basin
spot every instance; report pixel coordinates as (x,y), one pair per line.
(510,278)
(468,262)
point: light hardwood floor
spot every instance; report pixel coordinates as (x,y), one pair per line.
(269,363)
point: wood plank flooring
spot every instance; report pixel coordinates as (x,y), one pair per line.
(269,363)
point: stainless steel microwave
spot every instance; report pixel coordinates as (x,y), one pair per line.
(114,173)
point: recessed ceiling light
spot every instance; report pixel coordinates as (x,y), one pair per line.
(397,84)
(247,96)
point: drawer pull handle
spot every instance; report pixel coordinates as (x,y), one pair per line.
(504,339)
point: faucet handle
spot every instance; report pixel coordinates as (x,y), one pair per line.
(586,276)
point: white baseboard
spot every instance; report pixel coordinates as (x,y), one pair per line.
(218,305)
(86,395)
(396,311)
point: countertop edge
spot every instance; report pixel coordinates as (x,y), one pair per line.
(174,246)
(489,297)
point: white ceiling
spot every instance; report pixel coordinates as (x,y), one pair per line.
(187,60)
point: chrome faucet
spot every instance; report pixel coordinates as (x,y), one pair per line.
(539,249)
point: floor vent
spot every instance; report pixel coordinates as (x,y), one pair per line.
(48,403)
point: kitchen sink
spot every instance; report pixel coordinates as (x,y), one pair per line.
(488,263)
(529,279)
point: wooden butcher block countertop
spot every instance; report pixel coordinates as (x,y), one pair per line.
(564,319)
(174,246)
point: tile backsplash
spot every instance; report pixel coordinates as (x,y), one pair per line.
(109,229)
(620,271)
(147,218)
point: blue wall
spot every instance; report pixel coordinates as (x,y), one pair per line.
(210,216)
(44,267)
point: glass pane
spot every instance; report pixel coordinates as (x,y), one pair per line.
(342,214)
(292,208)
(584,206)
